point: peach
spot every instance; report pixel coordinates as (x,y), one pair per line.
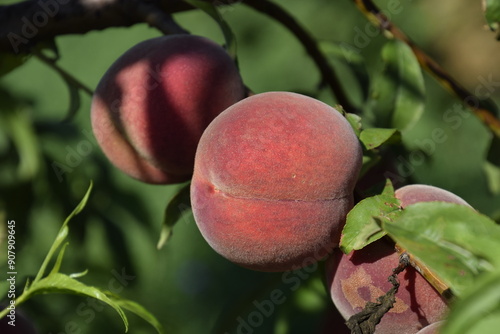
(154,102)
(273,181)
(432,328)
(361,276)
(415,193)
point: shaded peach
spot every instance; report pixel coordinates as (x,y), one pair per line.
(361,276)
(273,180)
(154,102)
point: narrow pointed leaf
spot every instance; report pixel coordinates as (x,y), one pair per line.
(57,264)
(60,283)
(138,310)
(63,233)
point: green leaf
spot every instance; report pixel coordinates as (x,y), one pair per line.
(453,241)
(57,264)
(398,91)
(63,233)
(363,221)
(213,11)
(492,13)
(138,310)
(373,138)
(60,283)
(173,212)
(477,310)
(355,122)
(350,57)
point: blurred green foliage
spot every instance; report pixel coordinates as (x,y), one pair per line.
(46,165)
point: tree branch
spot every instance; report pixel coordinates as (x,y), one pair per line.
(26,23)
(484,109)
(329,76)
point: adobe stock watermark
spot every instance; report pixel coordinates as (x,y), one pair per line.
(87,310)
(293,279)
(29,26)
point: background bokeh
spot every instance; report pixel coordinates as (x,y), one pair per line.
(186,285)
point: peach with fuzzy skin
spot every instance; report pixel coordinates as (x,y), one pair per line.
(154,102)
(273,181)
(361,276)
(415,193)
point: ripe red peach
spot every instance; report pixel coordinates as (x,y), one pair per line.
(361,276)
(273,181)
(154,102)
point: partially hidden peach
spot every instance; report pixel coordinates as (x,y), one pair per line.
(415,193)
(273,181)
(154,102)
(432,328)
(361,276)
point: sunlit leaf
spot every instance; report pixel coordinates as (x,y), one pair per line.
(478,310)
(363,221)
(60,256)
(173,212)
(375,137)
(453,241)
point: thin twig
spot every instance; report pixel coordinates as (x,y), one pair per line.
(309,43)
(65,74)
(24,24)
(482,108)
